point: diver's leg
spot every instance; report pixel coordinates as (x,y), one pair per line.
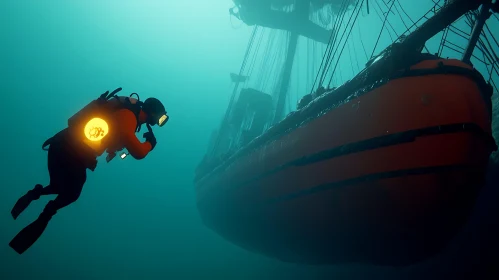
(55,162)
(30,234)
(71,192)
(67,172)
(24,201)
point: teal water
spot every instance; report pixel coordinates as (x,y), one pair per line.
(134,219)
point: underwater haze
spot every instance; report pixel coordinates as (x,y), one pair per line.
(135,219)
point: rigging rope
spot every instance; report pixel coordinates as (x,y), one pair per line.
(332,38)
(362,43)
(232,98)
(443,41)
(356,57)
(341,52)
(387,21)
(252,65)
(383,26)
(351,61)
(358,7)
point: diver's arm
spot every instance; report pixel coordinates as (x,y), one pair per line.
(136,149)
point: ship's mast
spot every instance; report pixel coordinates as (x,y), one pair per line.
(443,18)
(301,11)
(477,30)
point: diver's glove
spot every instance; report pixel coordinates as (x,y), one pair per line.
(149,136)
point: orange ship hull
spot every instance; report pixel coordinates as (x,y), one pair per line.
(386,178)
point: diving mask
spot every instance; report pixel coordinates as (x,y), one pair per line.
(163,119)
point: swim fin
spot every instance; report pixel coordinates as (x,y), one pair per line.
(25,200)
(29,235)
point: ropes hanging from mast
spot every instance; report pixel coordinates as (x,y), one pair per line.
(337,42)
(329,48)
(346,40)
(382,27)
(327,65)
(225,119)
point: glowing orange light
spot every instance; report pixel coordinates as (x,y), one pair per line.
(96,129)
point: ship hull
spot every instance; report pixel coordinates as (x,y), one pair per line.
(387,178)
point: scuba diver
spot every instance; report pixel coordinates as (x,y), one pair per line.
(108,123)
(260,12)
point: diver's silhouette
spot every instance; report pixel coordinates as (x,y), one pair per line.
(68,159)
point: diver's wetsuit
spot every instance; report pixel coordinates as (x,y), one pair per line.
(68,172)
(67,165)
(67,169)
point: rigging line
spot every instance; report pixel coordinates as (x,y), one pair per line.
(350,55)
(356,56)
(329,49)
(255,55)
(313,56)
(491,60)
(416,22)
(456,45)
(485,52)
(471,18)
(381,18)
(275,55)
(273,61)
(402,9)
(379,36)
(403,22)
(267,53)
(492,35)
(386,5)
(442,42)
(280,58)
(494,58)
(491,69)
(488,60)
(494,85)
(335,30)
(468,19)
(460,29)
(233,95)
(353,24)
(358,8)
(389,24)
(451,48)
(341,76)
(489,49)
(362,43)
(400,15)
(487,66)
(481,47)
(437,6)
(308,62)
(462,49)
(461,33)
(334,40)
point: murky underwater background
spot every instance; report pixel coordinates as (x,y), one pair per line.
(138,219)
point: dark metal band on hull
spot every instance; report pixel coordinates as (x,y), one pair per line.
(376,143)
(368,178)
